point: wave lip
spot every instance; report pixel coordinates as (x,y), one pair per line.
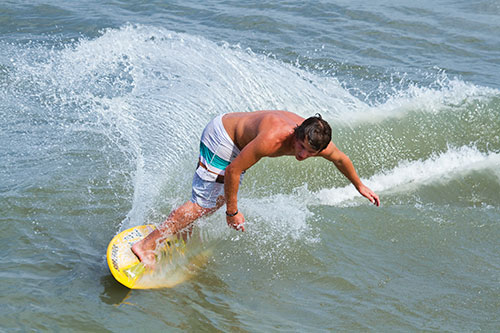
(443,94)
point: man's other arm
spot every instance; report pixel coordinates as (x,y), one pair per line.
(344,164)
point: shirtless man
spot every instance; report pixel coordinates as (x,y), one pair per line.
(231,144)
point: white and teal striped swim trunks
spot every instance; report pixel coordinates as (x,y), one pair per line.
(217,150)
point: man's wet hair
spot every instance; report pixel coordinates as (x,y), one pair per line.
(317,132)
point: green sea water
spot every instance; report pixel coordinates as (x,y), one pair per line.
(101,109)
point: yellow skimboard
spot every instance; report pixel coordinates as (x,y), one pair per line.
(172,266)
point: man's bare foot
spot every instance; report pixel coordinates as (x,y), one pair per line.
(146,256)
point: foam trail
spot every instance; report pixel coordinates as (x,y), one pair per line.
(413,174)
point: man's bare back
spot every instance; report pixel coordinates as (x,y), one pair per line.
(243,127)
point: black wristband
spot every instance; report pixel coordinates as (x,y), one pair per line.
(231,215)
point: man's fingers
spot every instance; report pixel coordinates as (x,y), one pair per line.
(236,222)
(239,227)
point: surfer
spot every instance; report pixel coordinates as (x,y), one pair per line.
(231,144)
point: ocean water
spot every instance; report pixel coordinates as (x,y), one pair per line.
(101,107)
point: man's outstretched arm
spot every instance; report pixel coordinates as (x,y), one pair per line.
(344,164)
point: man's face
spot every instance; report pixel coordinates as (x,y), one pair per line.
(303,150)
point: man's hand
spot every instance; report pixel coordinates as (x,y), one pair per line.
(236,222)
(369,194)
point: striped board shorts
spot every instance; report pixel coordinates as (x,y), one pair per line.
(217,150)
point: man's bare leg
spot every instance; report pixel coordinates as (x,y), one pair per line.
(178,219)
